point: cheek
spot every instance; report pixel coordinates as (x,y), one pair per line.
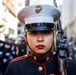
(49,42)
(31,41)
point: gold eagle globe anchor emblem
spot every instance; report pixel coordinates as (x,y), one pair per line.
(38,9)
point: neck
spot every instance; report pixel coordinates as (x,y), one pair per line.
(43,56)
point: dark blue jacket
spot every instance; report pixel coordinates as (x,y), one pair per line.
(31,65)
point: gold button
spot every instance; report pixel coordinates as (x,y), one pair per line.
(35,58)
(40,68)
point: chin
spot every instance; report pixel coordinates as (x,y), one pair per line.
(40,52)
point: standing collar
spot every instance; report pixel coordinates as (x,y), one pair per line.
(42,58)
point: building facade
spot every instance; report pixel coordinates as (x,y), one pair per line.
(69,18)
(8,16)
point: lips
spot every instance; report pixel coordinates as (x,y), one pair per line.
(40,46)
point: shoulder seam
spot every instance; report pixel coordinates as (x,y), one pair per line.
(20,58)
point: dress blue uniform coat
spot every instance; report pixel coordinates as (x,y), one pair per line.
(32,65)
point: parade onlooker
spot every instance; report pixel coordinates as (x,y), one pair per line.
(7,53)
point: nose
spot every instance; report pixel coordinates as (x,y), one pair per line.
(40,37)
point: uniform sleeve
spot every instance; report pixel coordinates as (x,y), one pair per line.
(9,70)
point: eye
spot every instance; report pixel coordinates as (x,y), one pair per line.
(46,32)
(33,32)
(41,32)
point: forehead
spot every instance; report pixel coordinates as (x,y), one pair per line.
(45,31)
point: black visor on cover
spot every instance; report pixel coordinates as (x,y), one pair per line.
(40,26)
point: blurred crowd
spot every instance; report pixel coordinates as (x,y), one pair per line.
(72,49)
(10,50)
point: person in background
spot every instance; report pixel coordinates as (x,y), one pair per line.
(71,46)
(8,50)
(6,54)
(22,48)
(39,21)
(2,43)
(72,67)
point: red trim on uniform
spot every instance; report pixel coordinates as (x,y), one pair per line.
(50,59)
(44,69)
(34,61)
(20,58)
(43,63)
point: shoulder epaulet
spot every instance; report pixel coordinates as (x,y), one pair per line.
(20,58)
